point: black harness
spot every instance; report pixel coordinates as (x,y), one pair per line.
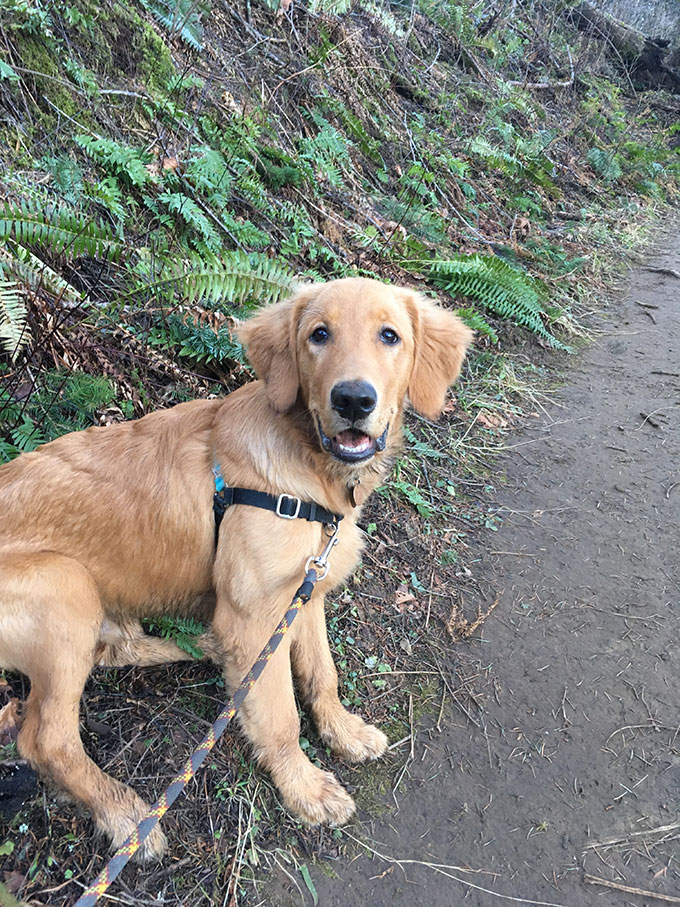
(286,506)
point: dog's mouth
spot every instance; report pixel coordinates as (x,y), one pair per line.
(352,445)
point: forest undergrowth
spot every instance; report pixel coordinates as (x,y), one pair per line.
(168,166)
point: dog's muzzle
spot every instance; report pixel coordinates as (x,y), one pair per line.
(352,445)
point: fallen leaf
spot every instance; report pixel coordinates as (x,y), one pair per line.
(14,880)
(491,420)
(9,722)
(403,595)
(405,644)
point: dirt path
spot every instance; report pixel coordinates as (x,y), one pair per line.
(577,740)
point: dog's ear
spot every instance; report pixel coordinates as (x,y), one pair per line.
(270,339)
(441,339)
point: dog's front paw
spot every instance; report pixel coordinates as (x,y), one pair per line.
(352,738)
(120,827)
(321,799)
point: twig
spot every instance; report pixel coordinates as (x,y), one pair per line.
(595,880)
(442,869)
(634,834)
(667,272)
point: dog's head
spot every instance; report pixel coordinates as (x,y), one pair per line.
(352,350)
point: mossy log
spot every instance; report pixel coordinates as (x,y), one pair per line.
(644,57)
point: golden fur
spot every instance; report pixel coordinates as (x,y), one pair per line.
(104,526)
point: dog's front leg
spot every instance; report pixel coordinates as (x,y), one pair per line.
(269,715)
(348,735)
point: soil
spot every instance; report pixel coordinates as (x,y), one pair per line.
(570,765)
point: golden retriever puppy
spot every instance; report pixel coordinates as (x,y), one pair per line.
(107,525)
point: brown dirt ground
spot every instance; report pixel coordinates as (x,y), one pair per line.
(568,765)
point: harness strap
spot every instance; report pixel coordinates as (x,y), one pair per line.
(286,506)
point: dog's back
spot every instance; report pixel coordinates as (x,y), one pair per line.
(80,495)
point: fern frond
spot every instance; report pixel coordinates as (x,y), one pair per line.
(499,287)
(477,322)
(202,343)
(235,279)
(59,230)
(534,171)
(180,17)
(31,271)
(605,164)
(183,630)
(13,315)
(186,208)
(121,160)
(27,435)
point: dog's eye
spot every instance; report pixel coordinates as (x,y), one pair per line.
(319,335)
(387,335)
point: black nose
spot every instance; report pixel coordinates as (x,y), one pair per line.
(354,399)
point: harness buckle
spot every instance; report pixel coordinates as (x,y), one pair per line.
(297,503)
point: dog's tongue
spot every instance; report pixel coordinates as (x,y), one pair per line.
(352,441)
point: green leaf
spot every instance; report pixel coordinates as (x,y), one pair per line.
(6,849)
(6,72)
(304,872)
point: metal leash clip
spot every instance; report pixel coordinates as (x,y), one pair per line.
(321,560)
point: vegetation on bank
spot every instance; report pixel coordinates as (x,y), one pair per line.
(166,166)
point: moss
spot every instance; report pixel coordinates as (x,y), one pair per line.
(92,33)
(156,66)
(39,57)
(120,42)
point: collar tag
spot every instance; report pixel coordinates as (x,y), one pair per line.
(357,494)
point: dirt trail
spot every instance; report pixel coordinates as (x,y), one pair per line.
(578,737)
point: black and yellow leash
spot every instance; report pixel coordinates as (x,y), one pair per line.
(132,844)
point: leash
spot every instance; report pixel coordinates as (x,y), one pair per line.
(132,844)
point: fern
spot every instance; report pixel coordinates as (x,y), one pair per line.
(201,343)
(207,171)
(59,230)
(180,17)
(69,402)
(604,164)
(13,315)
(183,630)
(67,177)
(534,171)
(502,289)
(326,154)
(477,322)
(251,186)
(121,160)
(334,7)
(27,435)
(192,215)
(107,193)
(34,274)
(236,279)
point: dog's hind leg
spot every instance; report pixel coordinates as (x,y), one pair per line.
(50,615)
(347,734)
